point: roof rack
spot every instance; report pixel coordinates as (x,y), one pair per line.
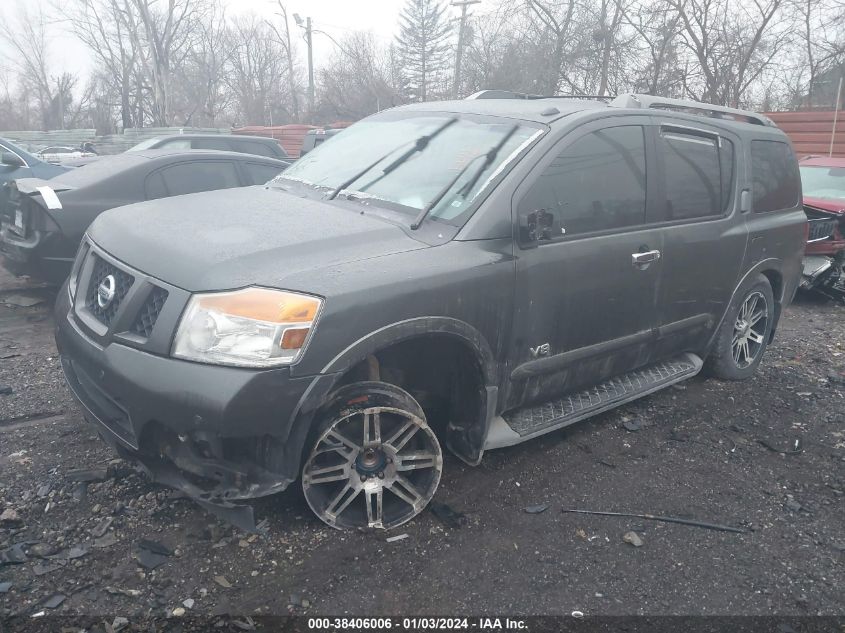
(690,107)
(509,94)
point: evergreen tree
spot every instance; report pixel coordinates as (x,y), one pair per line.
(423,45)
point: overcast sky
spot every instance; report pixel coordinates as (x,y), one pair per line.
(335,17)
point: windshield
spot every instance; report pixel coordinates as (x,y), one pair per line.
(144,145)
(823,182)
(17,149)
(419,179)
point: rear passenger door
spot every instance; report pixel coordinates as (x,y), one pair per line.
(704,234)
(585,293)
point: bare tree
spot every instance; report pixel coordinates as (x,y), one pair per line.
(732,44)
(164,34)
(282,33)
(102,26)
(27,37)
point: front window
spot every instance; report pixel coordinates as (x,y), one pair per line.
(422,178)
(823,182)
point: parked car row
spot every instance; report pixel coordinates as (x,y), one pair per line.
(473,274)
(44,217)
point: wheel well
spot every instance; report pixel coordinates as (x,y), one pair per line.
(776,282)
(443,374)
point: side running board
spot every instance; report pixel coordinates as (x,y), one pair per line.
(520,425)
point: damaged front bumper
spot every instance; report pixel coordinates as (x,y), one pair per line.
(219,434)
(825,275)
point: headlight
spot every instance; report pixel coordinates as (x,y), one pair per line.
(254,327)
(73,279)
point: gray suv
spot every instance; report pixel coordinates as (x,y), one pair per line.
(471,273)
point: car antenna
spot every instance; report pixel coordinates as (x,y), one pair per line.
(420,144)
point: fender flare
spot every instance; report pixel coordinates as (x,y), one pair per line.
(767,264)
(413,328)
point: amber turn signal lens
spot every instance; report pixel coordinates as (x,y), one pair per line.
(261,304)
(294,339)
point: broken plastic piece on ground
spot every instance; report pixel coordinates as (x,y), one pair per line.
(795,447)
(241,516)
(447,515)
(13,555)
(88,476)
(54,601)
(151,554)
(398,537)
(536,509)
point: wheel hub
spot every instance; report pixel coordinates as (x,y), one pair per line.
(370,461)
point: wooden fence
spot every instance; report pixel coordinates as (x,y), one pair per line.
(811,131)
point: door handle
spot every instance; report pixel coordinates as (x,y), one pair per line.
(642,260)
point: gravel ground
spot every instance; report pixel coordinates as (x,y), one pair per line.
(704,449)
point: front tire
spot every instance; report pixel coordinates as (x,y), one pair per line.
(375,462)
(744,334)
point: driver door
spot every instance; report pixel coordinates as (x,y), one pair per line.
(586,289)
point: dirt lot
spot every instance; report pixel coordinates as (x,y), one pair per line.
(704,449)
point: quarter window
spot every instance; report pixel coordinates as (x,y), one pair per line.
(597,183)
(261,174)
(775,180)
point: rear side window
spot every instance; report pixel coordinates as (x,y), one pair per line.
(775,183)
(697,174)
(597,183)
(251,147)
(208,143)
(184,178)
(260,174)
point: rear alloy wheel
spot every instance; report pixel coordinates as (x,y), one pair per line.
(750,330)
(376,463)
(744,334)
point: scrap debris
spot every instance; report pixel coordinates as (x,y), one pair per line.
(795,450)
(653,517)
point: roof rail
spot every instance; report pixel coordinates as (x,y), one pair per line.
(690,107)
(510,94)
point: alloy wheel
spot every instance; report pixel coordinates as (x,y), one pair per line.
(376,467)
(750,330)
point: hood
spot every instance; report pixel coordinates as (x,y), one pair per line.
(825,204)
(237,237)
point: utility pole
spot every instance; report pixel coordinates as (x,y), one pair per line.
(306,24)
(460,53)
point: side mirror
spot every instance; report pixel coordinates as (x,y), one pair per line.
(12,160)
(536,226)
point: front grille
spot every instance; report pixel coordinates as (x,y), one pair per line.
(147,317)
(821,229)
(123,281)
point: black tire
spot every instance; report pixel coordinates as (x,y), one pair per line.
(373,461)
(730,359)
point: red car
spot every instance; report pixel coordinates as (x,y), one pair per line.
(823,181)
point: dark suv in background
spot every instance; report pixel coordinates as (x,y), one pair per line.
(475,273)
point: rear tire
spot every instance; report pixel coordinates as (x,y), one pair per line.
(374,462)
(744,334)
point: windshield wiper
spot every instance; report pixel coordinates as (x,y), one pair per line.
(419,145)
(489,157)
